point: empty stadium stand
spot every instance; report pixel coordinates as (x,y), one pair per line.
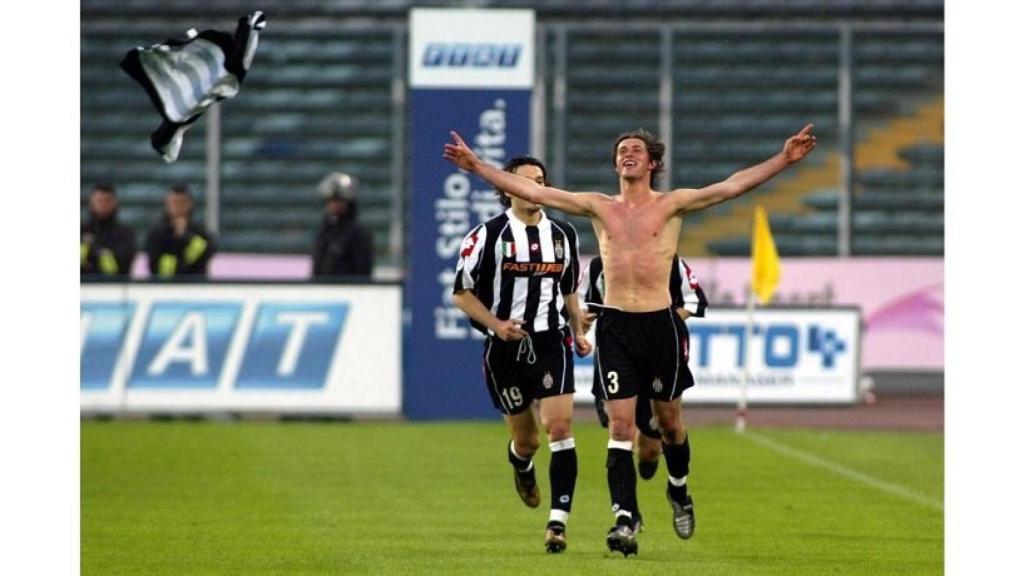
(320,97)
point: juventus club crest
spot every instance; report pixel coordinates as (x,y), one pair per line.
(657,385)
(559,251)
(548,381)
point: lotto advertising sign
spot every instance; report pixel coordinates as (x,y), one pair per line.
(797,356)
(310,349)
(470,71)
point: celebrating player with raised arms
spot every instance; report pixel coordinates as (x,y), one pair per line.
(638,338)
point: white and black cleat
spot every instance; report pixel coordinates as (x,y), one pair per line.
(683,519)
(622,539)
(638,523)
(554,540)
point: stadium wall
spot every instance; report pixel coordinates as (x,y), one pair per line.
(901,298)
(139,340)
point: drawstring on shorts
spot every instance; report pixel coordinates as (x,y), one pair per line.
(526,345)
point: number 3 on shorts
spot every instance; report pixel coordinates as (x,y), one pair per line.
(613,377)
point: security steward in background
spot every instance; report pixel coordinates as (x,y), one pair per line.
(107,246)
(343,246)
(176,246)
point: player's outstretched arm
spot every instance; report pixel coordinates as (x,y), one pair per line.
(795,149)
(458,153)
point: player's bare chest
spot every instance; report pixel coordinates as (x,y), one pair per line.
(636,224)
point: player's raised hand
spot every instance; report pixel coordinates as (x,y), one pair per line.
(459,154)
(509,330)
(583,346)
(800,145)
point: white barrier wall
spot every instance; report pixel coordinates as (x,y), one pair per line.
(797,356)
(241,348)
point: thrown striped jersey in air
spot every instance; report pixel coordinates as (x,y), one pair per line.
(520,271)
(682,285)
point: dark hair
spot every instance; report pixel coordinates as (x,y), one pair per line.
(511,165)
(655,149)
(104,187)
(180,188)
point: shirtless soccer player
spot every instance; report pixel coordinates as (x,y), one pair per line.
(638,344)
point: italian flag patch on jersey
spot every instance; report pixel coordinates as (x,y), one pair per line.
(508,249)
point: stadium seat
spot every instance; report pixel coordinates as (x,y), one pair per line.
(318,100)
(314,102)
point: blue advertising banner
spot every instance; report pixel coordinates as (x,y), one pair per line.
(471,72)
(796,356)
(445,377)
(184,345)
(291,345)
(103,328)
(310,349)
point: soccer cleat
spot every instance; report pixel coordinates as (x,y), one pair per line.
(683,519)
(554,540)
(622,539)
(527,488)
(638,523)
(647,469)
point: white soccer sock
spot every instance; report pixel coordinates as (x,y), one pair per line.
(621,444)
(557,515)
(520,458)
(558,446)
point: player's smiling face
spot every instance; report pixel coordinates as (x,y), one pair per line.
(631,159)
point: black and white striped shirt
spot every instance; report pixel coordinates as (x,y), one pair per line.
(682,285)
(520,271)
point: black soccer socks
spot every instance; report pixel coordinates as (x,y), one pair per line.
(563,478)
(677,459)
(622,481)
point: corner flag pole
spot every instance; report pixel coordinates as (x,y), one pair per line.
(741,402)
(765,272)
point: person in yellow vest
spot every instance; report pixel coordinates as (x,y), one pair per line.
(176,245)
(107,246)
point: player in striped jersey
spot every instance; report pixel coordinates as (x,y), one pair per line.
(637,346)
(516,279)
(688,300)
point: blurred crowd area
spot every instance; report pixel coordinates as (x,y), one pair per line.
(722,83)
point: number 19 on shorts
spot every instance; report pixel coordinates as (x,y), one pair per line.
(513,397)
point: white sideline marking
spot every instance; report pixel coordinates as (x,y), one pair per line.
(813,460)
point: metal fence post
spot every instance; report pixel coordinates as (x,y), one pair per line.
(538,112)
(846,165)
(213,169)
(396,240)
(558,104)
(665,98)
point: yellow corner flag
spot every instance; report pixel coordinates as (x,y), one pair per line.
(764,257)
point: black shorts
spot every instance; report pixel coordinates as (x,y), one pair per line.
(516,376)
(643,353)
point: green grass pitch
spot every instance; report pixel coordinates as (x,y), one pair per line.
(400,498)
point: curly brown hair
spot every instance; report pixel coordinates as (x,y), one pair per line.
(655,149)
